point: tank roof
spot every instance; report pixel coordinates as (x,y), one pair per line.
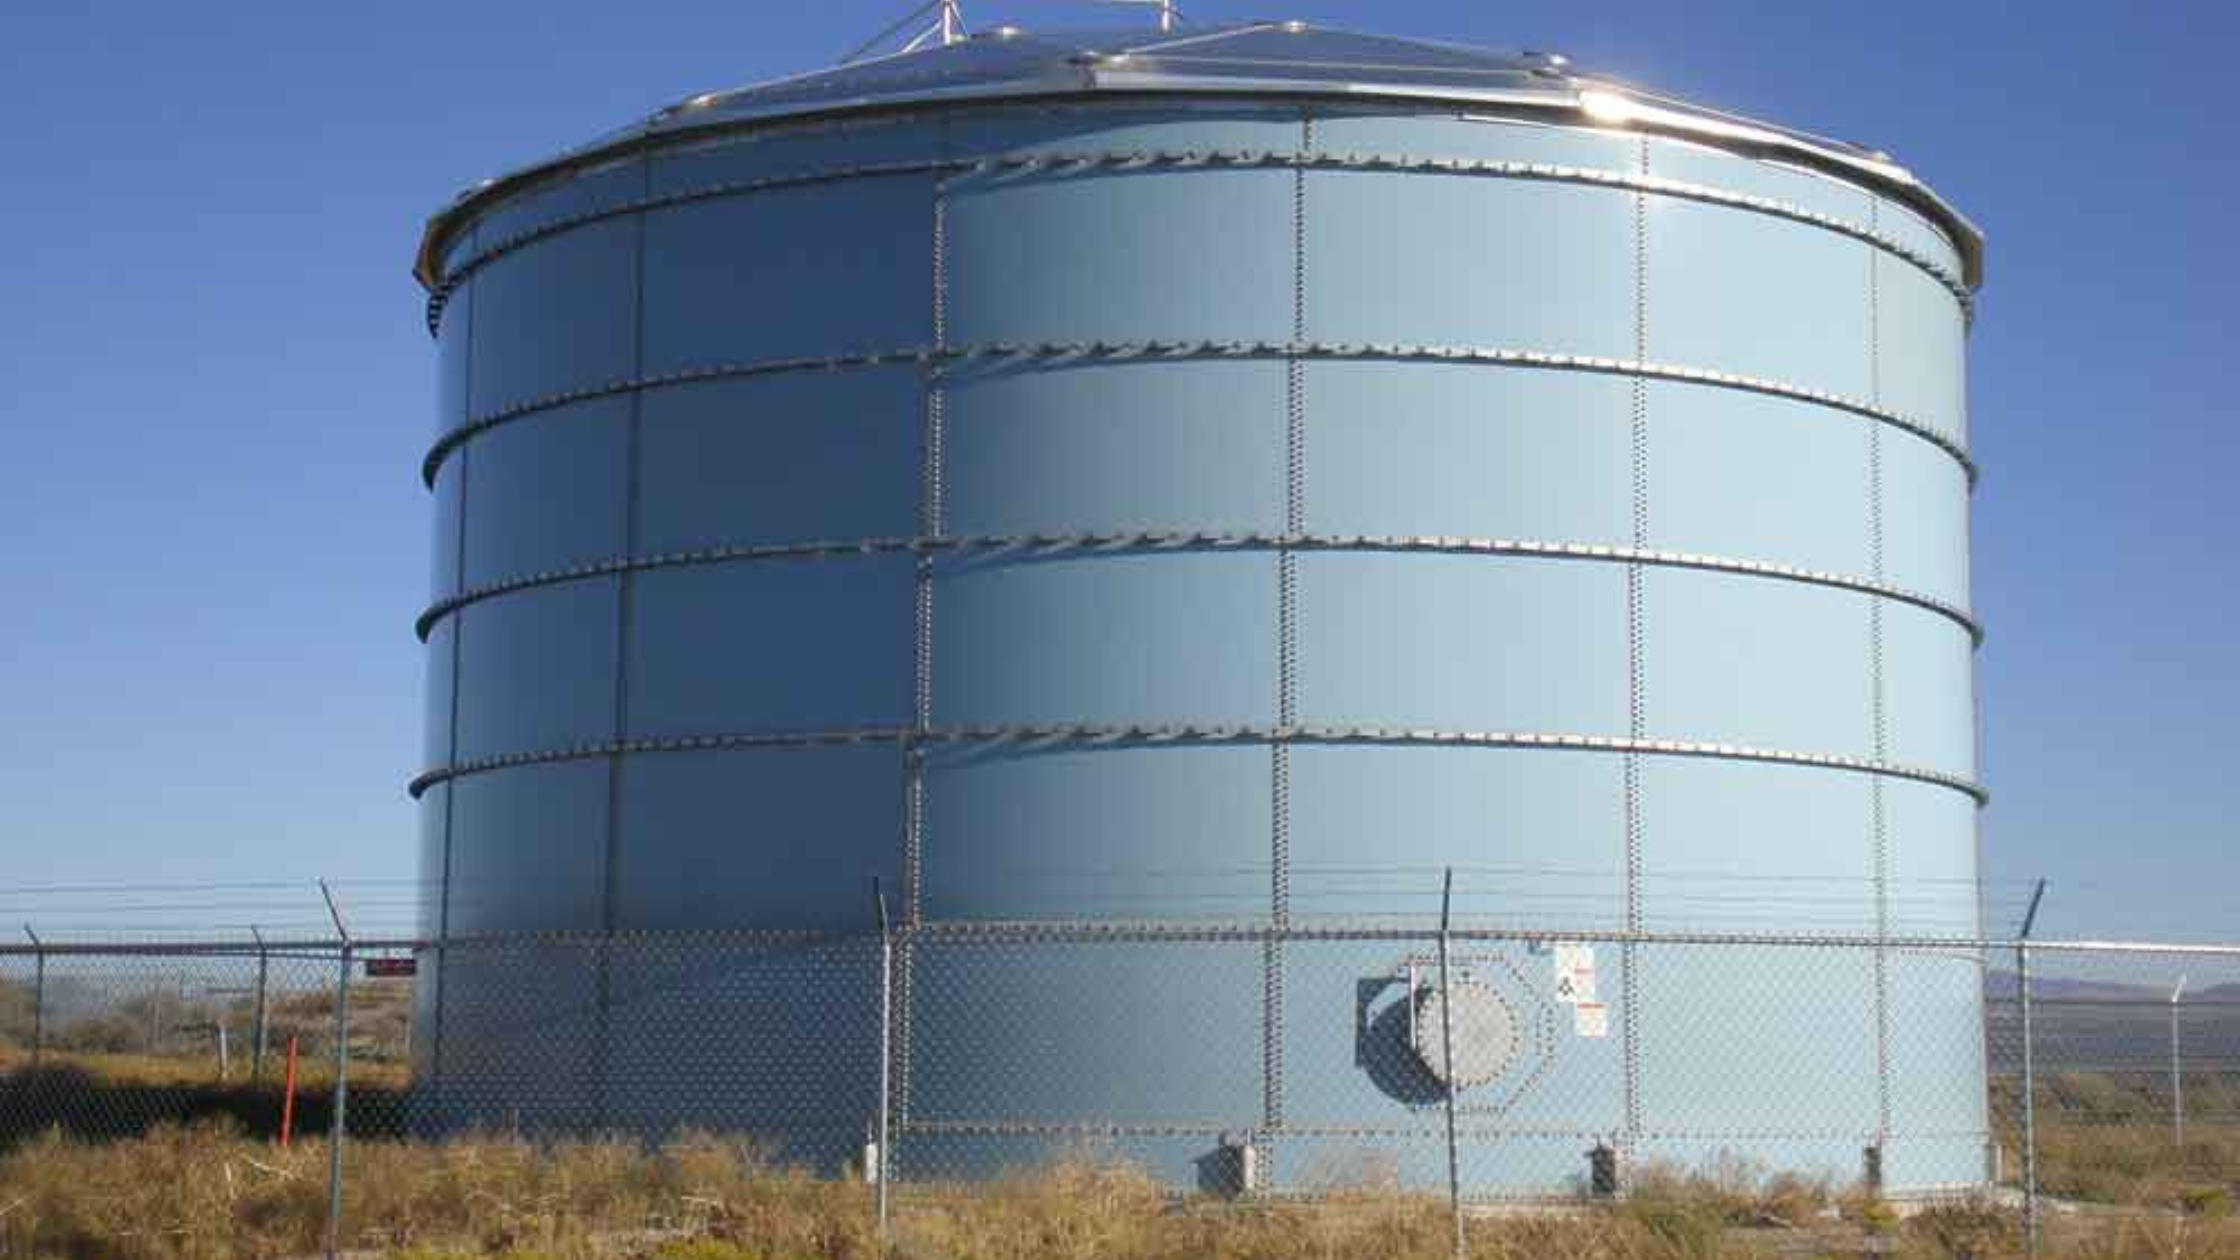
(1280,59)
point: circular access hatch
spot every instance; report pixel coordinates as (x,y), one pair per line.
(1486,1036)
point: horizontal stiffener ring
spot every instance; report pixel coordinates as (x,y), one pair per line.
(1091,735)
(1040,545)
(1238,159)
(1004,353)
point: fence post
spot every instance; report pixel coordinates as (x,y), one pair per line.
(2029,1076)
(38,996)
(1446,1056)
(337,1125)
(882,1165)
(256,1051)
(2177,1066)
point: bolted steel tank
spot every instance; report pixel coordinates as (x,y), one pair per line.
(1133,494)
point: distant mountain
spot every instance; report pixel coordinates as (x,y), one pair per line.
(2002,985)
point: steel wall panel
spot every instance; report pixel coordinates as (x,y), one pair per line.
(1928,664)
(771,645)
(1113,448)
(1904,225)
(1059,1033)
(1936,1039)
(1165,638)
(1536,836)
(1924,518)
(1467,450)
(536,669)
(528,849)
(1463,643)
(443,539)
(757,838)
(1731,1039)
(797,1068)
(1920,334)
(1938,1120)
(576,195)
(1760,662)
(1741,846)
(1126,834)
(1106,256)
(452,350)
(432,817)
(776,459)
(1750,477)
(520,1052)
(560,315)
(789,272)
(1736,291)
(1469,262)
(549,492)
(1931,838)
(439,682)
(794,272)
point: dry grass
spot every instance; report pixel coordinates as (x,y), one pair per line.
(206,1193)
(2104,1140)
(166,1071)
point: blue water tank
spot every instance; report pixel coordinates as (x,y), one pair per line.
(1128,493)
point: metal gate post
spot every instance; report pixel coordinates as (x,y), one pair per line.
(38,996)
(2177,1066)
(882,1165)
(1446,1056)
(264,971)
(338,1124)
(2029,1077)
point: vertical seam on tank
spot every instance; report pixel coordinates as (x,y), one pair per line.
(1287,646)
(1636,710)
(931,521)
(1964,598)
(1878,679)
(458,639)
(624,601)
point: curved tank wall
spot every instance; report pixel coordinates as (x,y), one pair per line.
(1207,540)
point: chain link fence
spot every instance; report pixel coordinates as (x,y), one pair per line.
(1478,1066)
(2114,1075)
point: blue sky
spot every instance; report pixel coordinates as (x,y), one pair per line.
(216,388)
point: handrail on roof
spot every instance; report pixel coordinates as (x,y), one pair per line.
(1054,66)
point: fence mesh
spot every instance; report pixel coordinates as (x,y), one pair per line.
(1484,1065)
(2126,1074)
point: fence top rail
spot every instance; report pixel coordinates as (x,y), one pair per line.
(1082,931)
(273,947)
(2141,1001)
(2195,950)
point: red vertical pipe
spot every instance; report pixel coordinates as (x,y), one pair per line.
(288,1097)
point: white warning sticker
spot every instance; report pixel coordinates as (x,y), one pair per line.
(1590,1019)
(1574,974)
